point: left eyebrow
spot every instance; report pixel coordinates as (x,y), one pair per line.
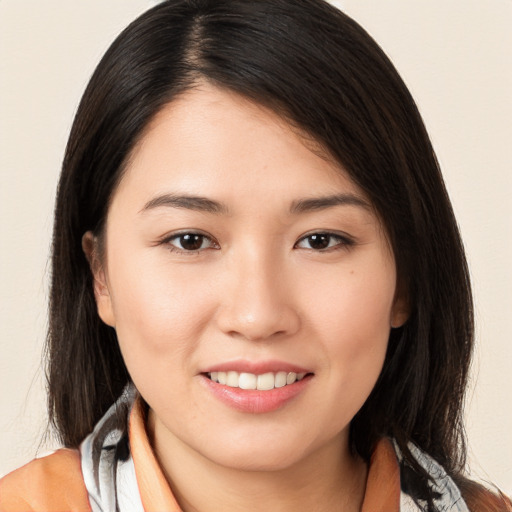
(324,202)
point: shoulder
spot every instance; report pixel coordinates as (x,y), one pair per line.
(483,499)
(51,483)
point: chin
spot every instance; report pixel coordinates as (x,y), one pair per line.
(258,462)
(265,455)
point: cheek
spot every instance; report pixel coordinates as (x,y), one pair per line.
(157,309)
(355,305)
(353,320)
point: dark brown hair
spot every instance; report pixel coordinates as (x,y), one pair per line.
(323,73)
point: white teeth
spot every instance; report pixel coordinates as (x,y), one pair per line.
(247,381)
(280,379)
(291,378)
(266,382)
(232,379)
(263,382)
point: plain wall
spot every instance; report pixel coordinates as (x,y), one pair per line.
(456,57)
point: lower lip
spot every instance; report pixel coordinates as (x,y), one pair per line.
(254,401)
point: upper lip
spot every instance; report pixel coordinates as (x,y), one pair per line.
(256,367)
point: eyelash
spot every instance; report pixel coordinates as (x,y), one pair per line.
(343,242)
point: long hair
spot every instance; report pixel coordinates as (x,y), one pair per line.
(321,72)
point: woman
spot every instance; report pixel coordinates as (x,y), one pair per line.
(259,295)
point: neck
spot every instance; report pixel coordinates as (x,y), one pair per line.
(328,479)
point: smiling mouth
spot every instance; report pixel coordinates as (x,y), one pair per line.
(262,382)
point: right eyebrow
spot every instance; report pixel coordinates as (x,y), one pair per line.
(189,202)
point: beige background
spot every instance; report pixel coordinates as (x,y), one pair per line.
(456,57)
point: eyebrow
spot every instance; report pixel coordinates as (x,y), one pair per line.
(189,202)
(324,202)
(203,204)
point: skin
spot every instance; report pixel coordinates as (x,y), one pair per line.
(256,290)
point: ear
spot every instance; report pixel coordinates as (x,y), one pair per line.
(100,284)
(400,311)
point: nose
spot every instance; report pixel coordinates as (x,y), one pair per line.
(258,301)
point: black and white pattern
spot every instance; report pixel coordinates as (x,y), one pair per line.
(107,465)
(414,489)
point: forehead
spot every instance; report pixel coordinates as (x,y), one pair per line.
(215,142)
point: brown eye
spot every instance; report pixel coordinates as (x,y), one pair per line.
(190,242)
(323,241)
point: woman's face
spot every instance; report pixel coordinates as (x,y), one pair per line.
(237,258)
